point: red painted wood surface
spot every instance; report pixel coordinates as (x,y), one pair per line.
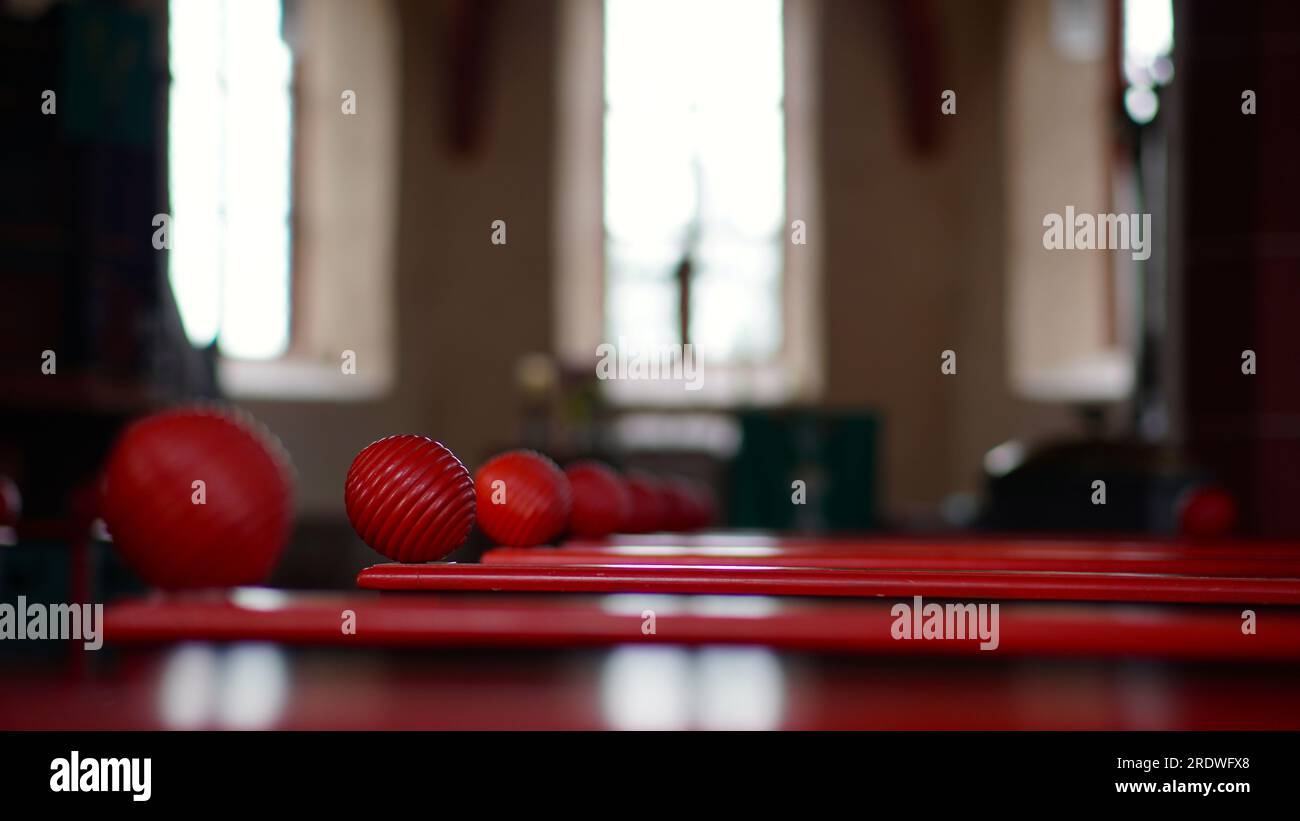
(262,686)
(1025,629)
(964,542)
(892,556)
(949,540)
(815,581)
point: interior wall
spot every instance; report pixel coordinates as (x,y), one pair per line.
(1059,136)
(915,252)
(465,308)
(345,180)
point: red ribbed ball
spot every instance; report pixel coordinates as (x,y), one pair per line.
(524,499)
(409,498)
(680,510)
(601,500)
(701,505)
(176,533)
(649,512)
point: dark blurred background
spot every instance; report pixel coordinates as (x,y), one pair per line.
(790,187)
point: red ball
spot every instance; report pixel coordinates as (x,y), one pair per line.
(703,505)
(648,508)
(678,506)
(524,499)
(11,502)
(689,505)
(601,500)
(1207,511)
(177,533)
(409,498)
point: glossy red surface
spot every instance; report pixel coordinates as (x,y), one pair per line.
(523,499)
(254,686)
(686,506)
(816,581)
(979,541)
(1025,629)
(262,658)
(177,533)
(1208,511)
(1083,556)
(409,498)
(648,511)
(601,500)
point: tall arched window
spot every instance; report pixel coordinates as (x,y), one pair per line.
(695,174)
(283,153)
(229,166)
(686,154)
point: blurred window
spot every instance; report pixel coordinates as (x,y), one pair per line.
(229,155)
(1148,62)
(695,175)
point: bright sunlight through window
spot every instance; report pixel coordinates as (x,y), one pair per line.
(695,170)
(1148,42)
(229,164)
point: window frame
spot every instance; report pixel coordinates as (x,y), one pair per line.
(796,371)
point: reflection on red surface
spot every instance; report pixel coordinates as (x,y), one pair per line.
(663,686)
(241,687)
(1243,559)
(834,582)
(971,541)
(267,659)
(1039,630)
